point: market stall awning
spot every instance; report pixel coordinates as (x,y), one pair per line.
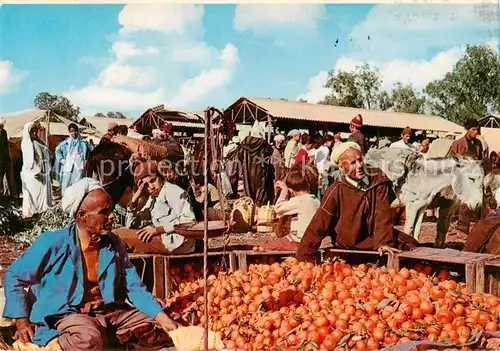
(245,110)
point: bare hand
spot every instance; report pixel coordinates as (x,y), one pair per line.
(138,193)
(147,234)
(389,250)
(165,322)
(25,330)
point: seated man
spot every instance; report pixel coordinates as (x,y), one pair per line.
(81,278)
(355,210)
(150,226)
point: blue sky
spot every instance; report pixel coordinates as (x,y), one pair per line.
(129,58)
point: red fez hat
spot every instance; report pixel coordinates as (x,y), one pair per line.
(357,121)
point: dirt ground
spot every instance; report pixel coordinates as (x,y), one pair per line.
(10,249)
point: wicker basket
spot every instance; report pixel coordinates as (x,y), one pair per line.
(265,219)
(242,214)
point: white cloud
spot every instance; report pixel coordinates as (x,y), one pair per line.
(266,18)
(415,30)
(120,75)
(194,52)
(316,90)
(125,49)
(161,17)
(416,72)
(10,76)
(94,97)
(167,63)
(208,80)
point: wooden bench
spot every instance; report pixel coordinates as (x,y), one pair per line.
(469,265)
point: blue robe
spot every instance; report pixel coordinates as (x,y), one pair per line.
(53,268)
(64,149)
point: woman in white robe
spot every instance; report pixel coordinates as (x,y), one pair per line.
(35,174)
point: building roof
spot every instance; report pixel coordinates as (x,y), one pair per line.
(326,113)
(14,124)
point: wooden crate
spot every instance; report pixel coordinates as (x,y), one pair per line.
(358,257)
(173,261)
(492,277)
(154,270)
(151,269)
(246,258)
(466,267)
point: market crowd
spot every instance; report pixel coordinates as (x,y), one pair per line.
(81,277)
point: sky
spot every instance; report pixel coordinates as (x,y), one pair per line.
(187,56)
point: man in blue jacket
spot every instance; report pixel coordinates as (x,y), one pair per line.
(81,279)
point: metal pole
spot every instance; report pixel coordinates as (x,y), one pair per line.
(208,122)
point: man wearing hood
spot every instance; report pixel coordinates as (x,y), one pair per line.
(277,156)
(292,148)
(254,154)
(355,210)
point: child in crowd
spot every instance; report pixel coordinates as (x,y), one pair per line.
(301,206)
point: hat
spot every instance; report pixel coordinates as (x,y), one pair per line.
(406,130)
(145,169)
(357,121)
(339,150)
(2,121)
(168,127)
(112,125)
(293,132)
(279,137)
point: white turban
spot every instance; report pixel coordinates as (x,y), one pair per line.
(293,133)
(339,150)
(2,121)
(279,137)
(74,195)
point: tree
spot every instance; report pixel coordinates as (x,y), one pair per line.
(359,88)
(57,104)
(405,99)
(384,101)
(470,88)
(99,114)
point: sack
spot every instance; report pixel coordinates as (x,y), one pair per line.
(192,339)
(242,214)
(142,148)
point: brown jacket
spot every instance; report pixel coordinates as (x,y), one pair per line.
(461,147)
(353,218)
(359,138)
(484,237)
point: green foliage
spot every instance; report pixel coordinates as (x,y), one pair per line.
(52,219)
(57,104)
(469,89)
(404,98)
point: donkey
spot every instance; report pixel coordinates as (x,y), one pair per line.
(418,181)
